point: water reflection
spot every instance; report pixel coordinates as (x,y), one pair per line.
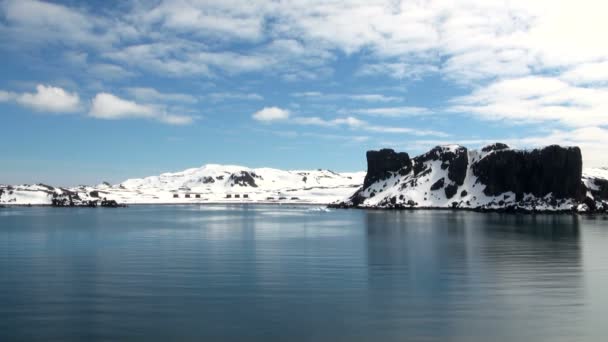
(465,276)
(272,273)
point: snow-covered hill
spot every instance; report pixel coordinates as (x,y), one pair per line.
(210,183)
(495,177)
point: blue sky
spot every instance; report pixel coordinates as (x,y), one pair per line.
(109,90)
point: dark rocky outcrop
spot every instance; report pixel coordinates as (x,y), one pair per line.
(456,162)
(110,203)
(438,184)
(450,190)
(243,178)
(495,147)
(381,163)
(207,180)
(553,169)
(602,188)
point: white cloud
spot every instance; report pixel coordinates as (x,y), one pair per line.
(153,95)
(42,22)
(231,96)
(358,124)
(374,98)
(398,70)
(269,114)
(220,19)
(401,111)
(50,99)
(108,71)
(400,39)
(536,99)
(317,121)
(354,97)
(111,107)
(108,106)
(588,73)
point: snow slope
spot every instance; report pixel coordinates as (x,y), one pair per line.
(209,183)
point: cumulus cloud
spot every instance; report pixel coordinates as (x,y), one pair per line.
(50,99)
(269,114)
(111,107)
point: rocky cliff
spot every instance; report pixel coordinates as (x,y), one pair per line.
(496,177)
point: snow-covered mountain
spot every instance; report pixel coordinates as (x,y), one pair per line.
(210,183)
(495,177)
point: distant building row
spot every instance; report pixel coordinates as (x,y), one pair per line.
(199,196)
(237,196)
(187,195)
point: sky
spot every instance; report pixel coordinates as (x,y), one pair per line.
(97,91)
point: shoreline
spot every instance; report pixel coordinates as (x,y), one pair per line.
(8,205)
(478,210)
(336,206)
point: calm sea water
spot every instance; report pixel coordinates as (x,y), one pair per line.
(193,273)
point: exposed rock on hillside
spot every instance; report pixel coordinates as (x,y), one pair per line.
(497,177)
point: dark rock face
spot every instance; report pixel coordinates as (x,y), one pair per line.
(438,184)
(458,164)
(455,161)
(243,178)
(48,187)
(381,163)
(207,180)
(553,169)
(602,189)
(495,147)
(109,203)
(451,190)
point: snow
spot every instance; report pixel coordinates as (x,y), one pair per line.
(211,183)
(214,183)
